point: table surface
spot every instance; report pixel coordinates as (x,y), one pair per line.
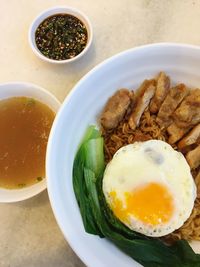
(28,231)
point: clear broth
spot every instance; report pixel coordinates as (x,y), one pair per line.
(25,124)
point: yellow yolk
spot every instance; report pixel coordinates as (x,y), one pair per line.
(152,204)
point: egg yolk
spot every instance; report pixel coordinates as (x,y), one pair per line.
(152,204)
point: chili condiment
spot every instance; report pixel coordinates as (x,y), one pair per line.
(61,36)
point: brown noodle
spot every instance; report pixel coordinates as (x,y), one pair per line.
(149,129)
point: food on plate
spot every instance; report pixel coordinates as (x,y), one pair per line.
(137,181)
(98,218)
(153,200)
(25,125)
(150,129)
(61,36)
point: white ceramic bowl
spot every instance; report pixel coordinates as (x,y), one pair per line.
(14,89)
(80,109)
(53,11)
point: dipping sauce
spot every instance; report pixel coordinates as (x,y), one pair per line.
(61,37)
(25,125)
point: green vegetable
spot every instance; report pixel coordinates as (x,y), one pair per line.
(21,185)
(94,160)
(30,102)
(80,185)
(99,220)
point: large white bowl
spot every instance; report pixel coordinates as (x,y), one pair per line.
(15,89)
(80,109)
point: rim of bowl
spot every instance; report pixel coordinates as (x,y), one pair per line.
(53,11)
(56,209)
(16,195)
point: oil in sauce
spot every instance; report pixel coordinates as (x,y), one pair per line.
(25,124)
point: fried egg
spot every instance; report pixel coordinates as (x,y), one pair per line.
(149,187)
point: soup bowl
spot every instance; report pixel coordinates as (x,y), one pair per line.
(19,89)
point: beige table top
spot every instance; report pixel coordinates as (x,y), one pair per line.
(29,235)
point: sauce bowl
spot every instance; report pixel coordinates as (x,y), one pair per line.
(55,11)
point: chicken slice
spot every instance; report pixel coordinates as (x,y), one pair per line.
(116,108)
(197,182)
(172,100)
(193,157)
(176,133)
(188,113)
(162,88)
(191,138)
(146,92)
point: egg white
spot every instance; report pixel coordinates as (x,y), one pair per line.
(142,163)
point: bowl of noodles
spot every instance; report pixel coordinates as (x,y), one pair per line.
(143,99)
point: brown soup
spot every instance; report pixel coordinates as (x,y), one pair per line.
(25,125)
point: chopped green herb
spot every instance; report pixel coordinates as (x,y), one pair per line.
(21,185)
(61,37)
(39,179)
(30,102)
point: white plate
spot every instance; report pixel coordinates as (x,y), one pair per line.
(80,109)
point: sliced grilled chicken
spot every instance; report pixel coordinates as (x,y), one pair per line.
(172,100)
(146,92)
(193,157)
(116,108)
(162,88)
(188,113)
(176,133)
(197,182)
(191,138)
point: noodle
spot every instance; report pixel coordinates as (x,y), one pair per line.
(149,129)
(123,134)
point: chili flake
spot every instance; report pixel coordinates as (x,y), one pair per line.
(61,37)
